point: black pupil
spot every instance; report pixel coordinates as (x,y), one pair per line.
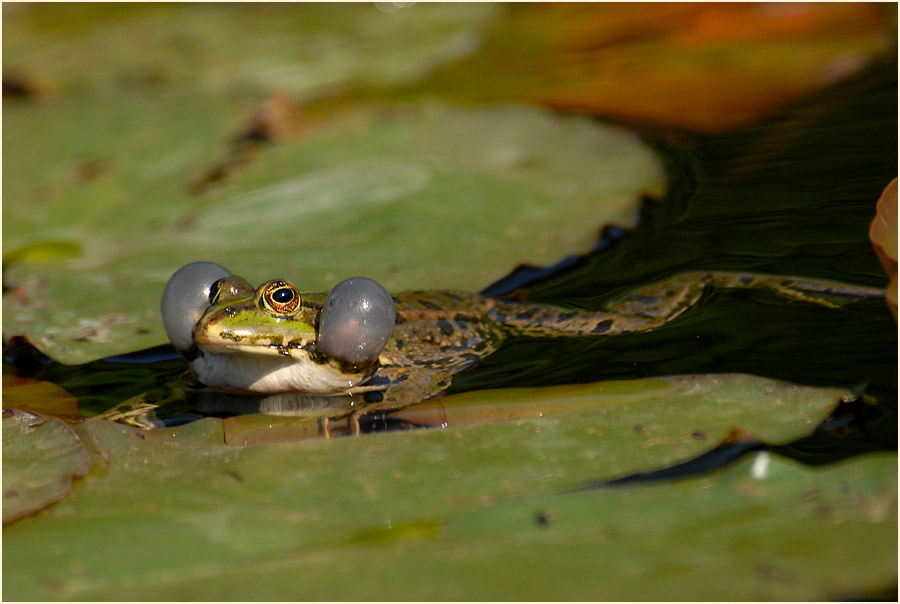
(283,295)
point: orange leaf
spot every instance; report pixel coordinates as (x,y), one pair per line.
(883,235)
(708,67)
(37,396)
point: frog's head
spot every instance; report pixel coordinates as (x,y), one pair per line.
(273,338)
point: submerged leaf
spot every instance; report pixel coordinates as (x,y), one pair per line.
(37,396)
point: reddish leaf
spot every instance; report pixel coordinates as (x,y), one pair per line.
(41,397)
(705,67)
(883,234)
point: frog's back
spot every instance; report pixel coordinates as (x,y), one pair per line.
(445,329)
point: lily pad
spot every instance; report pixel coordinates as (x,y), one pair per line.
(660,411)
(41,457)
(427,197)
(302,49)
(180,511)
(765,529)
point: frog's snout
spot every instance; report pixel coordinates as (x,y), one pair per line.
(357,321)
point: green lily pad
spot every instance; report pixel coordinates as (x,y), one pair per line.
(428,197)
(664,407)
(765,529)
(173,513)
(41,457)
(650,422)
(302,49)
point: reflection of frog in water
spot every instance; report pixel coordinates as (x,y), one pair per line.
(359,349)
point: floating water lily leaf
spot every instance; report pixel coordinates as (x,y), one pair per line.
(44,251)
(649,411)
(883,235)
(662,411)
(303,49)
(765,529)
(41,457)
(705,67)
(427,197)
(183,505)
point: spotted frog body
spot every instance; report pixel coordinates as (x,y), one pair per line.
(377,351)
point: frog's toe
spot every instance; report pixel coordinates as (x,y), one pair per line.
(185,298)
(356,321)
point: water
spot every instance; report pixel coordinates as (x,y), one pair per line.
(791,196)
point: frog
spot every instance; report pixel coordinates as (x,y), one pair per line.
(359,349)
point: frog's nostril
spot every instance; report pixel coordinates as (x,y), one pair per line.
(356,322)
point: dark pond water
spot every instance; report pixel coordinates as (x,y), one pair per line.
(791,196)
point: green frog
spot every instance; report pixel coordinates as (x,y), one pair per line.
(358,349)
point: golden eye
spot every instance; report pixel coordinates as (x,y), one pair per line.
(280,298)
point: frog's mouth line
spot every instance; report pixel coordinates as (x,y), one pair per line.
(227,341)
(259,346)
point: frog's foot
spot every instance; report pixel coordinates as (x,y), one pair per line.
(665,300)
(353,422)
(402,387)
(824,293)
(814,291)
(136,411)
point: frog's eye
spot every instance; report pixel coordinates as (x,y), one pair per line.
(280,298)
(215,290)
(186,297)
(356,322)
(226,288)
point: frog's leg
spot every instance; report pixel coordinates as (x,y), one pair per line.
(687,288)
(639,310)
(404,386)
(653,305)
